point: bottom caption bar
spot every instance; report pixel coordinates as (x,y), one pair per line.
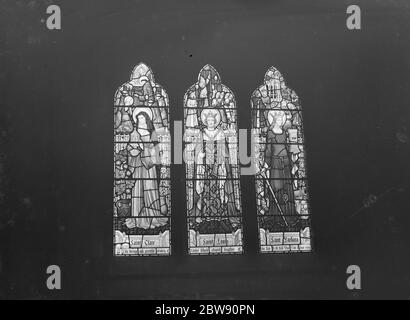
(193,310)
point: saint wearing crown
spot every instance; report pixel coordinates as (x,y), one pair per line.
(214,209)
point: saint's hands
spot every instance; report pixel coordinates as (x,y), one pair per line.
(131,223)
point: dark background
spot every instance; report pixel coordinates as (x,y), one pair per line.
(56,142)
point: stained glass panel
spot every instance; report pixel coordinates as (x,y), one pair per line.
(212,171)
(142,188)
(280,159)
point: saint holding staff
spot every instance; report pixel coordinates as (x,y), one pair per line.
(277,174)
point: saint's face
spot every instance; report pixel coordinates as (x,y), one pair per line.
(142,122)
(277,120)
(280,120)
(210,123)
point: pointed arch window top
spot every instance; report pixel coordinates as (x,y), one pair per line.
(274,93)
(209,70)
(272,74)
(141,90)
(142,173)
(142,70)
(209,92)
(214,208)
(281,178)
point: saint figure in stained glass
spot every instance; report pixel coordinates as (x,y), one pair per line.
(280,157)
(142,198)
(214,202)
(146,201)
(277,174)
(212,171)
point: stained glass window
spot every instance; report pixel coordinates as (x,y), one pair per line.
(212,168)
(142,197)
(280,159)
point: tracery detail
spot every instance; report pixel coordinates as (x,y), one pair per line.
(142,197)
(212,169)
(280,159)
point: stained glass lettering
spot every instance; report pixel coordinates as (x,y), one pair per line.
(280,159)
(142,189)
(212,169)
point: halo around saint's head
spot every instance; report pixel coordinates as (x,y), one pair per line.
(274,114)
(211,113)
(137,111)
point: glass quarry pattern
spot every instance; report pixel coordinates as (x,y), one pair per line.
(281,181)
(212,169)
(142,197)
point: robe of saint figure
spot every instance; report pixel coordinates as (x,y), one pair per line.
(147,205)
(281,213)
(214,201)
